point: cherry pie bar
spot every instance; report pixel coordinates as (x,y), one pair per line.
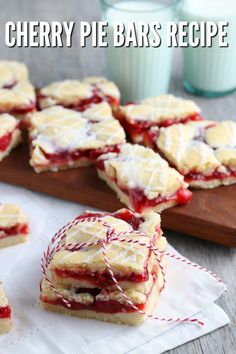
(79,95)
(17,95)
(142,179)
(164,110)
(10,135)
(5,312)
(203,152)
(82,277)
(11,73)
(62,138)
(14,226)
(18,100)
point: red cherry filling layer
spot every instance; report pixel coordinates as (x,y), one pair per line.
(100,279)
(109,306)
(95,99)
(5,312)
(140,201)
(138,127)
(63,157)
(196,176)
(5,141)
(21,109)
(18,229)
(125,215)
(150,138)
(24,109)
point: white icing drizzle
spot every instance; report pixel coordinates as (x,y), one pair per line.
(190,147)
(160,108)
(92,231)
(3,298)
(139,167)
(7,123)
(230,132)
(10,215)
(70,91)
(178,146)
(127,254)
(202,152)
(55,129)
(181,143)
(11,71)
(168,141)
(21,94)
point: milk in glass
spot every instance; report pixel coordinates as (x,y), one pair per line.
(211,71)
(140,72)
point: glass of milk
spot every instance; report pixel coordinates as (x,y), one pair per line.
(139,72)
(211,71)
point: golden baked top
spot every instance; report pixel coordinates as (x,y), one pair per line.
(70,92)
(58,129)
(3,298)
(19,96)
(160,108)
(199,146)
(137,167)
(11,215)
(124,258)
(12,72)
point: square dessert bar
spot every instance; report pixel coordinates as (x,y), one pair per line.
(159,111)
(82,276)
(142,179)
(203,152)
(17,95)
(11,73)
(62,138)
(79,95)
(5,312)
(10,135)
(14,226)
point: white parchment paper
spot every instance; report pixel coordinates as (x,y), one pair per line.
(189,292)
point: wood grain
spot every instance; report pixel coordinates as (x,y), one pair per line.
(204,217)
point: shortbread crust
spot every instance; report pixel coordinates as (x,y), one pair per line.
(142,179)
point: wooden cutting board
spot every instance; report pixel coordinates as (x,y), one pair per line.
(211,215)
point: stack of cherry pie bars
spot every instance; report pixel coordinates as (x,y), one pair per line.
(82,279)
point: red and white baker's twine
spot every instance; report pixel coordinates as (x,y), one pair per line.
(56,245)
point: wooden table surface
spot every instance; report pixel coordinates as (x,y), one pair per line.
(50,64)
